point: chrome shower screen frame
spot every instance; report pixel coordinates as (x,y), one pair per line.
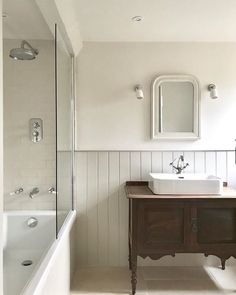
(65,172)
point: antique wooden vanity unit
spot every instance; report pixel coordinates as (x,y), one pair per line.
(162,225)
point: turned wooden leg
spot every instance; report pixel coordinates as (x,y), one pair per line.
(223,264)
(129,256)
(133,272)
(129,262)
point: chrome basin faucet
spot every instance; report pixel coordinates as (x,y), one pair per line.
(179,168)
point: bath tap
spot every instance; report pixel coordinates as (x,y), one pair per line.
(17,191)
(180,165)
(34,192)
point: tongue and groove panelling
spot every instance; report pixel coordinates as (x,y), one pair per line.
(102,221)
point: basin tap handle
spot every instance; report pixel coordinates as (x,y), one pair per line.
(186,165)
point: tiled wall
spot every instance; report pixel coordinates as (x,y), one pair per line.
(102,206)
(28,164)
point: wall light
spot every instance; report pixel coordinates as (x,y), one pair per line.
(139,92)
(213,91)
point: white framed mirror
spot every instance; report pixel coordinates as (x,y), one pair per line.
(175,108)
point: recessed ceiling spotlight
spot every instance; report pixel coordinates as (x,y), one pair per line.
(137,18)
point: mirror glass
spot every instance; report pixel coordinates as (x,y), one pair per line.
(177,100)
(175,107)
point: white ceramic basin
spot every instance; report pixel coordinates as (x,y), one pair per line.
(185,184)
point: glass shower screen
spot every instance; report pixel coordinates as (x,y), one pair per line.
(64,120)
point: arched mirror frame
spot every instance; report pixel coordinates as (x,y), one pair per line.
(156,119)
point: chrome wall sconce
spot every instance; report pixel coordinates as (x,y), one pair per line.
(139,92)
(213,91)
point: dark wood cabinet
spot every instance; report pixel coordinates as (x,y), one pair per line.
(166,225)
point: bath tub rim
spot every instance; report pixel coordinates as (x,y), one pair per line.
(39,277)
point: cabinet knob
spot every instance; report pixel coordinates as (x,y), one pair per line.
(194,225)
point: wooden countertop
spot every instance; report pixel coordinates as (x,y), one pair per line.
(140,190)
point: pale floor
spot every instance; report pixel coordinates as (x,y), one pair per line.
(156,280)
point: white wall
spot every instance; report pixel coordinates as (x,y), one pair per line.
(102,207)
(109,117)
(69,17)
(113,135)
(29,93)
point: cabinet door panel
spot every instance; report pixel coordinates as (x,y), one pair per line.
(161,226)
(216,225)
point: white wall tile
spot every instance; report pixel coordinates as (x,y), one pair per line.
(27,164)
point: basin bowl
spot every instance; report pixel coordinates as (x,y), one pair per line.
(185,184)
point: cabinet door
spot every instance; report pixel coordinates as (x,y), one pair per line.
(215,230)
(161,226)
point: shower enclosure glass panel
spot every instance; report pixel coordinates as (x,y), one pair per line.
(64,129)
(29,142)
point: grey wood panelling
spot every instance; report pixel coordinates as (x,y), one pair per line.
(103,193)
(102,223)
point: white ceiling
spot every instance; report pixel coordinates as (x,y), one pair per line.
(110,20)
(164,20)
(24,21)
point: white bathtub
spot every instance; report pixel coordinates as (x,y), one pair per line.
(37,244)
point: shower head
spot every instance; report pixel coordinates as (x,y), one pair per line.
(23,53)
